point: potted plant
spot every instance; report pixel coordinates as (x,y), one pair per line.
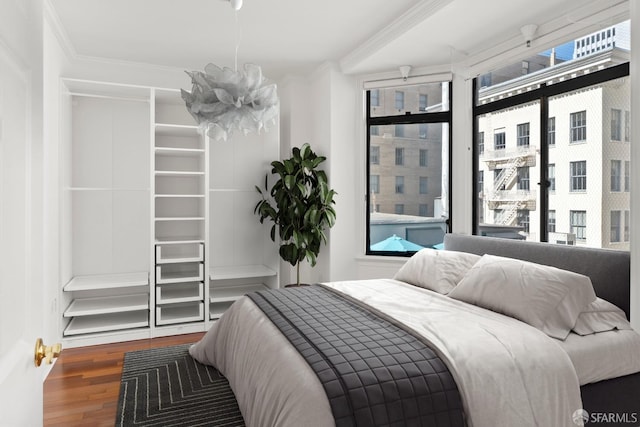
(300,204)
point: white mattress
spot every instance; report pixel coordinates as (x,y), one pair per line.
(604,355)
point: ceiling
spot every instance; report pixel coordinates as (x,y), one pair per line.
(294,37)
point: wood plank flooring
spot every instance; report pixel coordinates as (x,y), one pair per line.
(82,388)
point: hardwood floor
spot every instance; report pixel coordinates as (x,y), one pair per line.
(82,388)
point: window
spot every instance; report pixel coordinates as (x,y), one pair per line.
(578,224)
(627,224)
(423,102)
(374,181)
(523,135)
(551,129)
(399,100)
(399,156)
(616,124)
(627,172)
(578,130)
(552,177)
(374,130)
(552,222)
(523,219)
(499,140)
(374,155)
(423,185)
(411,169)
(481,181)
(523,178)
(498,182)
(424,157)
(480,142)
(578,177)
(422,130)
(616,174)
(615,226)
(399,184)
(627,125)
(375,98)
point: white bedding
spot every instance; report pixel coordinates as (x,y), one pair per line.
(604,355)
(501,380)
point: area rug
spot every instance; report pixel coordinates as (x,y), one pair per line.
(167,387)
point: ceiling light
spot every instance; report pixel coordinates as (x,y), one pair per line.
(528,31)
(236,4)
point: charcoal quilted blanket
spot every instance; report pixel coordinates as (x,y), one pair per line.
(374,372)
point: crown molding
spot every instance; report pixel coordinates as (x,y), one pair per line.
(51,16)
(412,17)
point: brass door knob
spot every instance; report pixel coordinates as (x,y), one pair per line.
(47,352)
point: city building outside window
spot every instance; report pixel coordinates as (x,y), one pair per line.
(374,155)
(399,156)
(423,185)
(627,172)
(578,224)
(374,130)
(615,226)
(399,131)
(375,98)
(399,100)
(523,219)
(423,128)
(627,125)
(423,209)
(552,131)
(552,177)
(375,183)
(616,124)
(424,157)
(616,174)
(499,140)
(480,143)
(552,221)
(399,184)
(578,126)
(578,176)
(523,178)
(523,135)
(423,102)
(399,209)
(627,225)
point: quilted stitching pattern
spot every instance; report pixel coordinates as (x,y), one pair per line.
(373,372)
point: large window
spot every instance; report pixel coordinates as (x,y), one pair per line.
(408,167)
(556,147)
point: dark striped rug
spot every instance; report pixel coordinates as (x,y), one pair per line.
(167,387)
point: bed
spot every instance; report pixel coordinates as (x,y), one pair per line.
(451,362)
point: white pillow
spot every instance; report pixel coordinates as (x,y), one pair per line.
(547,298)
(436,270)
(600,316)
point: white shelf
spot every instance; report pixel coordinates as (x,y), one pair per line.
(107,322)
(172,314)
(176,254)
(179,173)
(176,276)
(240,272)
(179,292)
(107,281)
(104,305)
(232,293)
(176,130)
(113,189)
(176,151)
(179,240)
(217,309)
(180,218)
(176,196)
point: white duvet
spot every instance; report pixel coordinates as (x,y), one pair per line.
(508,373)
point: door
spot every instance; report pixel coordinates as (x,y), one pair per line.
(20,293)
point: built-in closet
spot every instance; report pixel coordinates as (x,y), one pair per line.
(158,233)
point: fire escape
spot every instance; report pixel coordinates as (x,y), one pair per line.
(504,195)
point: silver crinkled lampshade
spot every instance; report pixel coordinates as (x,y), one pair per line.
(223,100)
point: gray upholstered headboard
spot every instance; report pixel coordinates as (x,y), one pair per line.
(609,270)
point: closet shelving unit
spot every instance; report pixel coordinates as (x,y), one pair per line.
(181,212)
(105,209)
(158,235)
